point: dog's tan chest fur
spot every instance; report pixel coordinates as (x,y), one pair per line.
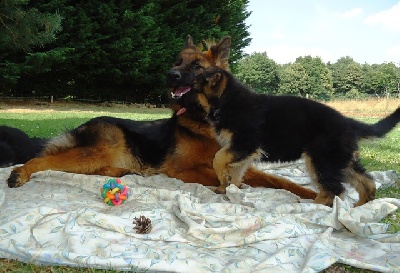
(224,137)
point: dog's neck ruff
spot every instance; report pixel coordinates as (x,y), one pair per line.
(214,114)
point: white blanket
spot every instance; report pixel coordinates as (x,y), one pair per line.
(60,219)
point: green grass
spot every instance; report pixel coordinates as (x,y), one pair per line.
(48,122)
(381,154)
(376,155)
(10,266)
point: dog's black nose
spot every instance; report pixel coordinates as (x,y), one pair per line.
(174,78)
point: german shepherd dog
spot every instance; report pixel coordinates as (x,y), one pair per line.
(181,147)
(252,126)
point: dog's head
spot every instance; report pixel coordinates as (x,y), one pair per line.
(191,62)
(209,86)
(211,83)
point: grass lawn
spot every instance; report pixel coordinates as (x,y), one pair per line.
(50,120)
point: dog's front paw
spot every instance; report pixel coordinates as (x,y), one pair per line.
(220,190)
(324,198)
(16,179)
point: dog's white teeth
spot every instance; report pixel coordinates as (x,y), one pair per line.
(174,96)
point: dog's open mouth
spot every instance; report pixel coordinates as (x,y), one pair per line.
(177,93)
(180,91)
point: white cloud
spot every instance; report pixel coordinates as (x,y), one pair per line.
(350,13)
(388,19)
(283,54)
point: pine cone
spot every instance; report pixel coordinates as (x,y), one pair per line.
(143,225)
(336,269)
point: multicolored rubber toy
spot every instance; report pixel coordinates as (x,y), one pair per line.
(114,192)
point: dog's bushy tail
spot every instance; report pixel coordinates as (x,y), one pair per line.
(380,128)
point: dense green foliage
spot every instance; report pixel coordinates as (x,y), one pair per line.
(121,50)
(310,77)
(22,27)
(110,49)
(259,72)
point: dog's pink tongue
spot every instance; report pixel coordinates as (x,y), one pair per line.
(181,90)
(181,111)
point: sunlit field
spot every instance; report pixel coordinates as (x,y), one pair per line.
(373,107)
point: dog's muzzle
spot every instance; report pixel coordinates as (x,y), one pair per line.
(178,82)
(174,78)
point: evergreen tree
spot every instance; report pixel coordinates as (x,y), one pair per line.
(121,49)
(21,28)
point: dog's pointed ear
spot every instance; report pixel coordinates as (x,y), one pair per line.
(214,79)
(188,42)
(220,53)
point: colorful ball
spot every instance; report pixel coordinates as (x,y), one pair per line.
(114,192)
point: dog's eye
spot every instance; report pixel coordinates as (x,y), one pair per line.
(178,62)
(196,65)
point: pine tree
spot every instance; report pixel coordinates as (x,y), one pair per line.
(22,27)
(121,49)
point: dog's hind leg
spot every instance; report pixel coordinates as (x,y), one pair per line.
(113,171)
(101,150)
(77,160)
(361,181)
(257,178)
(328,180)
(203,175)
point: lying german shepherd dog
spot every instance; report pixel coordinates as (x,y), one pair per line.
(252,126)
(181,147)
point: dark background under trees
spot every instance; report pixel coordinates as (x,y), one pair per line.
(122,50)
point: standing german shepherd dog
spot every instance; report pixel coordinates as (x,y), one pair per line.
(182,146)
(251,126)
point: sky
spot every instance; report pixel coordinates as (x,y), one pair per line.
(366,30)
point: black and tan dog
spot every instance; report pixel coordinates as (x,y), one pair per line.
(181,147)
(252,126)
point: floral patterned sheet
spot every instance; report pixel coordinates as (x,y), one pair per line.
(60,219)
